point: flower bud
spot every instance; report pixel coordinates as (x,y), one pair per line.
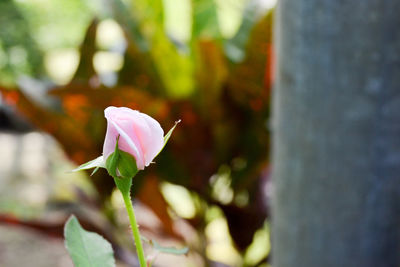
(139,136)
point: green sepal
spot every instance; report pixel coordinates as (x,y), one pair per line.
(121,164)
(123,185)
(127,165)
(96,163)
(94,171)
(168,135)
(112,162)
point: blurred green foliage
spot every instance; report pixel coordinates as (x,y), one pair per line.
(205,62)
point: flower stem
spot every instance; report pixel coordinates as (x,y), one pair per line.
(124,186)
(135,229)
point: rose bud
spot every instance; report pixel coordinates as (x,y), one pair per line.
(138,134)
(132,141)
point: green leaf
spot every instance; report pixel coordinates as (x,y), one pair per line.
(96,163)
(170,250)
(87,249)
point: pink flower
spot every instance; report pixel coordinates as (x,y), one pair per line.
(139,135)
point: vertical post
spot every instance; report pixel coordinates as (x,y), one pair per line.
(336,134)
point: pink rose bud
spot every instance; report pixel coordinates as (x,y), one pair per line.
(139,135)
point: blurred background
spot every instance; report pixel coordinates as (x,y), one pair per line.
(206,62)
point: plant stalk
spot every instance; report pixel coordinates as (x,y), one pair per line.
(135,229)
(124,185)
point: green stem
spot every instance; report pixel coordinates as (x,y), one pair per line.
(124,186)
(135,229)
